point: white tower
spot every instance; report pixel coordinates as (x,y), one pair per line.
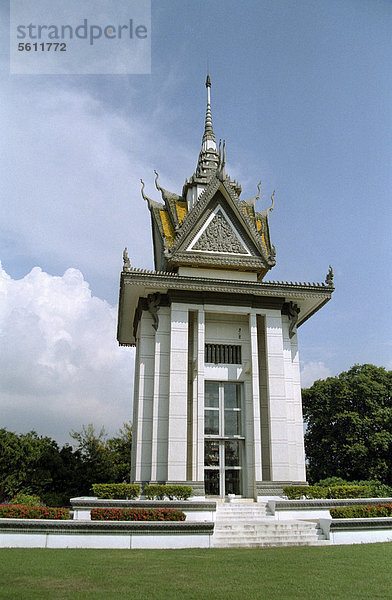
(217,395)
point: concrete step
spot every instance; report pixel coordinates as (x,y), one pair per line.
(263,525)
(247,525)
(267,544)
(241,511)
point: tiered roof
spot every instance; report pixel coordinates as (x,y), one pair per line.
(210,202)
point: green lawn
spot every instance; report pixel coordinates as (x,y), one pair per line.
(353,572)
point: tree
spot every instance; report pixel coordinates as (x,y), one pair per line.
(97,459)
(121,447)
(104,461)
(34,464)
(24,462)
(349,425)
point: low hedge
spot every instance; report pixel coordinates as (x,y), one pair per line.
(135,514)
(22,511)
(377,489)
(26,499)
(332,492)
(160,492)
(357,512)
(119,491)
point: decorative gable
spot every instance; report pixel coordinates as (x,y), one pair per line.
(218,235)
(209,226)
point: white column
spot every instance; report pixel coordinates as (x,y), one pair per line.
(294,405)
(277,397)
(298,415)
(199,421)
(254,444)
(144,389)
(288,375)
(160,398)
(135,421)
(177,435)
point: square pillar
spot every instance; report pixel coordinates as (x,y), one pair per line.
(160,412)
(199,421)
(253,445)
(143,400)
(178,388)
(279,439)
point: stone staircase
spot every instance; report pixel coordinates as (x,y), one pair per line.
(246,524)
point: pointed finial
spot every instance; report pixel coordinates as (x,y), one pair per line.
(252,201)
(273,200)
(126,261)
(142,190)
(208,136)
(329,277)
(156,180)
(146,198)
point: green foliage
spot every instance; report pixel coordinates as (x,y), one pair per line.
(116,490)
(377,489)
(36,465)
(21,511)
(135,514)
(335,492)
(349,425)
(104,461)
(120,448)
(24,463)
(160,492)
(26,499)
(97,458)
(361,512)
(328,481)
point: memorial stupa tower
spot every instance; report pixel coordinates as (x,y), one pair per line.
(217,392)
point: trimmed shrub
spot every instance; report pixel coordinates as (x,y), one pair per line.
(298,492)
(377,489)
(331,481)
(21,511)
(160,492)
(349,491)
(118,491)
(26,499)
(136,514)
(357,512)
(332,492)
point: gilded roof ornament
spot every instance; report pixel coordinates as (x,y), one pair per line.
(146,198)
(126,261)
(208,130)
(252,201)
(166,195)
(271,208)
(220,172)
(329,277)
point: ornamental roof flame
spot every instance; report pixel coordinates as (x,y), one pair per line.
(208,225)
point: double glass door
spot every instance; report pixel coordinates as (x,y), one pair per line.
(223,440)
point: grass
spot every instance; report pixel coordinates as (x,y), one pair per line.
(328,573)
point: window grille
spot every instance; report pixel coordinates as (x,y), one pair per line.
(223,353)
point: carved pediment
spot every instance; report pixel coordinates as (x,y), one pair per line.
(218,235)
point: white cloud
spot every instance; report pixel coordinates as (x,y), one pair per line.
(312,371)
(71,168)
(60,363)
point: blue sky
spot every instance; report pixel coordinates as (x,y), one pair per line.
(302,93)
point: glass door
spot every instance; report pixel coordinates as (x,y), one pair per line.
(223,440)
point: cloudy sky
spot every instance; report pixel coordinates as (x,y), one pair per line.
(302,93)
